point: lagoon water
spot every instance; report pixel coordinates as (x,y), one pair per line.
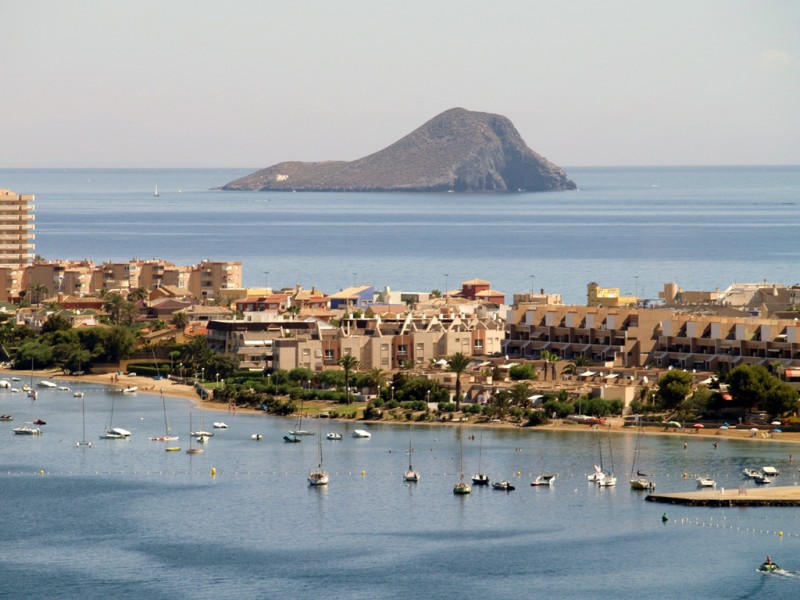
(127,519)
(632,228)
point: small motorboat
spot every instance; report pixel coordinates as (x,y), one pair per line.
(40,422)
(131,389)
(220,425)
(291,439)
(256,436)
(768,566)
(26,430)
(172,449)
(770,471)
(47,384)
(750,473)
(6,418)
(504,486)
(361,433)
(706,482)
(117,433)
(334,436)
(63,388)
(480,479)
(301,432)
(762,479)
(544,479)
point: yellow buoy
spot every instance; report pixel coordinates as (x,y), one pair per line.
(213,471)
(780,534)
(363,473)
(41,471)
(518,473)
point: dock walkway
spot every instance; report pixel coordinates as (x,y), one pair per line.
(741,496)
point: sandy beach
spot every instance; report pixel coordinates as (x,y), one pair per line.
(147,385)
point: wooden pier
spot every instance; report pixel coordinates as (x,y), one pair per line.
(741,496)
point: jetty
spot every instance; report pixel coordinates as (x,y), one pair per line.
(741,496)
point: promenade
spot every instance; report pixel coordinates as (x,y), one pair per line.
(787,495)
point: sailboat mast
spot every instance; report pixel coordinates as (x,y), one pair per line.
(166,421)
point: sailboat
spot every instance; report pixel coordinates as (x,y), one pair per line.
(155,193)
(480,478)
(84,441)
(167,437)
(320,475)
(609,480)
(115,433)
(299,429)
(462,487)
(411,474)
(191,449)
(639,481)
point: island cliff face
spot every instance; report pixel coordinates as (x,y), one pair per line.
(458,150)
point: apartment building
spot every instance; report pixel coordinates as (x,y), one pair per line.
(651,337)
(209,278)
(71,278)
(16,228)
(607,297)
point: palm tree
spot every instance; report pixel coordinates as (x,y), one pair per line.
(550,358)
(180,319)
(520,394)
(349,363)
(458,364)
(37,289)
(137,294)
(377,377)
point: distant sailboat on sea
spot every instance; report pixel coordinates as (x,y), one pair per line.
(155,193)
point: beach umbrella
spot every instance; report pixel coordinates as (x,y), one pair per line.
(776,423)
(754,430)
(698,425)
(776,431)
(724,427)
(674,424)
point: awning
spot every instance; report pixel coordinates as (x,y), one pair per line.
(792,372)
(587,374)
(535,397)
(611,376)
(508,366)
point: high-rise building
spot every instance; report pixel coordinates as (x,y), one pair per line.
(16,228)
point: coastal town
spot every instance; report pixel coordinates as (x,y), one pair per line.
(199,323)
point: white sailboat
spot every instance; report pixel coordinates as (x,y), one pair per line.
(84,441)
(167,437)
(155,193)
(411,474)
(192,449)
(462,487)
(609,480)
(319,476)
(114,433)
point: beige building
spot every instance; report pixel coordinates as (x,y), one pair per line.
(11,283)
(209,278)
(16,228)
(652,337)
(71,278)
(607,297)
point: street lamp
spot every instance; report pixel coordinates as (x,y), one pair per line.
(392,388)
(446,275)
(203,374)
(217,379)
(531,285)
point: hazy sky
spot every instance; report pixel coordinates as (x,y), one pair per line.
(248,83)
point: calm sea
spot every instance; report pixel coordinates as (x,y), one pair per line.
(632,228)
(127,519)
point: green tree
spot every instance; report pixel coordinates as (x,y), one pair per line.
(673,388)
(377,377)
(137,294)
(458,363)
(56,322)
(37,290)
(348,363)
(180,319)
(119,343)
(520,394)
(782,399)
(550,359)
(523,371)
(120,311)
(750,384)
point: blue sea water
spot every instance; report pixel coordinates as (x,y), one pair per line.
(632,228)
(127,519)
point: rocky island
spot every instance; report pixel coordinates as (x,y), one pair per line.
(458,150)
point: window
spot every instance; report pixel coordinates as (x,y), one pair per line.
(402,349)
(329,354)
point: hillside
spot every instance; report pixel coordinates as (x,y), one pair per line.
(458,150)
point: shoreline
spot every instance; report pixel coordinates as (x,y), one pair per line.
(187,392)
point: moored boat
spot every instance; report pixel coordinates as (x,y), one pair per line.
(334,436)
(503,486)
(706,482)
(361,433)
(27,430)
(544,479)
